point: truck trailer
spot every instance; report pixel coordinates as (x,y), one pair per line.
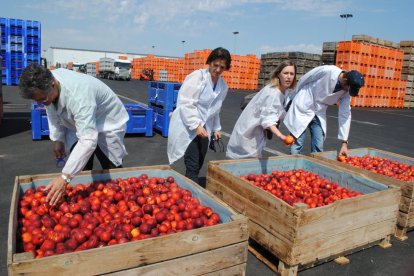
(115,69)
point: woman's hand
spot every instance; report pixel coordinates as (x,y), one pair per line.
(217,135)
(201,132)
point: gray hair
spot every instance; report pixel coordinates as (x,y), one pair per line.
(35,77)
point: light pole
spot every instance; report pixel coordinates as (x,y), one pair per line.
(346,16)
(183,41)
(235,40)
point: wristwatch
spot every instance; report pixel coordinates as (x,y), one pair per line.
(345,142)
(66,178)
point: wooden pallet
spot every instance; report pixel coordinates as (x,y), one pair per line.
(405,219)
(298,236)
(216,250)
(277,266)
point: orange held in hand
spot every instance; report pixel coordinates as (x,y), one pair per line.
(341,158)
(289,140)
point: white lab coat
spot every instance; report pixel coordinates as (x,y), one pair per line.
(197,104)
(264,110)
(313,95)
(90,112)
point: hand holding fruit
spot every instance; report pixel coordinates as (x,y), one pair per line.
(341,158)
(289,140)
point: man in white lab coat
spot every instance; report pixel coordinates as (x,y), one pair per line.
(83,114)
(316,90)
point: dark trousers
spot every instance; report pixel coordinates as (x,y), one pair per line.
(103,159)
(194,157)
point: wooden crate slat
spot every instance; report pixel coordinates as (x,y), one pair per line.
(261,217)
(339,245)
(197,264)
(265,217)
(348,214)
(406,204)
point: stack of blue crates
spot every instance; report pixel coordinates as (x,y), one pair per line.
(20,46)
(40,126)
(162,98)
(140,120)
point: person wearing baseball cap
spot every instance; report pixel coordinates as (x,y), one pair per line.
(316,90)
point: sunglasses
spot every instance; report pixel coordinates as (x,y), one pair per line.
(213,143)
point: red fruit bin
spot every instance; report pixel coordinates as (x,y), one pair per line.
(300,236)
(405,220)
(220,248)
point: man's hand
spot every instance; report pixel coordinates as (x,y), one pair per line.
(201,132)
(56,189)
(343,150)
(59,149)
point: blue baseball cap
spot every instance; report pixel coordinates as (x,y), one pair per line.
(355,80)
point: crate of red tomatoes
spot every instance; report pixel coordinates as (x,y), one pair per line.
(304,210)
(385,167)
(146,220)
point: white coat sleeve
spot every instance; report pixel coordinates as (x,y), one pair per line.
(271,110)
(344,117)
(86,131)
(188,100)
(57,132)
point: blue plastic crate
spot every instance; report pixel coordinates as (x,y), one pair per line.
(18,23)
(32,24)
(32,48)
(16,30)
(17,64)
(16,47)
(140,119)
(32,32)
(161,119)
(33,56)
(40,126)
(163,94)
(15,57)
(16,39)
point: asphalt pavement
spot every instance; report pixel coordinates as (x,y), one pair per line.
(387,129)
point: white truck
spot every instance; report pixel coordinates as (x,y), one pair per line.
(115,69)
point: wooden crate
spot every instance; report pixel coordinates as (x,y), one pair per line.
(220,249)
(405,219)
(299,236)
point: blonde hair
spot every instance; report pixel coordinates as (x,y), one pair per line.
(274,77)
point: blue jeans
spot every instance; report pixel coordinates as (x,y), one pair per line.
(316,138)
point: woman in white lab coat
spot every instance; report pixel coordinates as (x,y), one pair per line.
(322,86)
(82,105)
(262,113)
(196,117)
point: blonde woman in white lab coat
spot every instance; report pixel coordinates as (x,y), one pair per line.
(82,105)
(262,113)
(196,117)
(316,90)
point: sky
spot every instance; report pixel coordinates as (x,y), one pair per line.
(160,26)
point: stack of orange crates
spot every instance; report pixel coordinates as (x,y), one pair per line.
(381,67)
(242,75)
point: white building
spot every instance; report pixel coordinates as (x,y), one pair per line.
(60,57)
